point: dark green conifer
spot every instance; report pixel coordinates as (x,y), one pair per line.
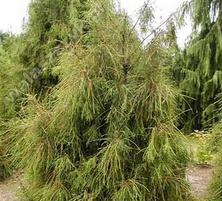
(51,25)
(198,68)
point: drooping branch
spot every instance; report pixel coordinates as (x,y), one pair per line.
(125,61)
(220,6)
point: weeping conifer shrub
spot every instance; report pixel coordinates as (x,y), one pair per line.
(50,25)
(10,76)
(215,192)
(198,67)
(106,131)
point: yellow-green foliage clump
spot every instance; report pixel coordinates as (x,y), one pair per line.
(106,131)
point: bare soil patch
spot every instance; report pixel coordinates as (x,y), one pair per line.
(199,177)
(10,187)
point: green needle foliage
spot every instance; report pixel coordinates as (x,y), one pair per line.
(198,68)
(51,25)
(106,131)
(10,76)
(26,61)
(215,191)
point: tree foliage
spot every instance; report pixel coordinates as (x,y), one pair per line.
(10,75)
(26,60)
(107,130)
(215,143)
(198,68)
(51,25)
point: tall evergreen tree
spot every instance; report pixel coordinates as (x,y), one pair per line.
(106,131)
(51,25)
(198,69)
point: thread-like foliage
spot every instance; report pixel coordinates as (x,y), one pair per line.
(215,192)
(26,60)
(106,131)
(10,97)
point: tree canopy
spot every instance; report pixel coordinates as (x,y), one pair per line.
(198,68)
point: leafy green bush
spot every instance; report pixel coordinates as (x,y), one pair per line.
(202,153)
